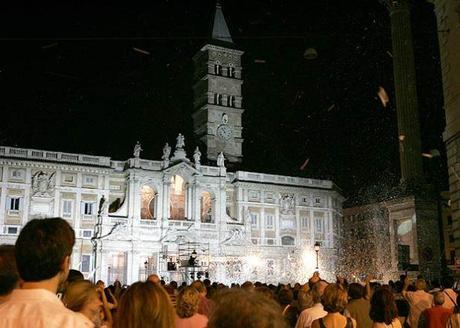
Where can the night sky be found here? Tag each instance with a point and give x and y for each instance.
(70, 81)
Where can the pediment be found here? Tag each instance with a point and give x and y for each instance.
(183, 168)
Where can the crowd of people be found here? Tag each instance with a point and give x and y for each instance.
(37, 289)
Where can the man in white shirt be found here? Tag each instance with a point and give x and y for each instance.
(43, 251)
(309, 315)
(418, 301)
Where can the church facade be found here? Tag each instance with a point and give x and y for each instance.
(175, 216)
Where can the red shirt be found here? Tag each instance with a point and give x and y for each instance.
(436, 317)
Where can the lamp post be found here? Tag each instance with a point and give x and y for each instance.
(316, 247)
(146, 266)
(97, 235)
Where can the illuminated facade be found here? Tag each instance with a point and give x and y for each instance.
(159, 213)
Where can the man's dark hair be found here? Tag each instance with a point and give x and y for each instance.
(9, 277)
(447, 281)
(355, 291)
(285, 296)
(75, 275)
(42, 246)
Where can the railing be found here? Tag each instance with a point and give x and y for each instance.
(210, 170)
(54, 156)
(180, 223)
(148, 222)
(281, 179)
(208, 226)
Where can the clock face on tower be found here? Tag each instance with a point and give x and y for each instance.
(224, 132)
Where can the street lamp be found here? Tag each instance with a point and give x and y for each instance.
(316, 247)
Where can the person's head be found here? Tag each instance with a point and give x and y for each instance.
(420, 284)
(285, 296)
(74, 275)
(438, 298)
(317, 291)
(355, 291)
(154, 278)
(145, 302)
(304, 300)
(187, 302)
(335, 298)
(9, 277)
(117, 284)
(247, 285)
(447, 281)
(199, 286)
(265, 291)
(240, 308)
(83, 296)
(383, 306)
(43, 249)
(100, 284)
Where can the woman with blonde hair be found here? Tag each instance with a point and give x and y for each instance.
(145, 304)
(84, 297)
(242, 308)
(334, 300)
(187, 310)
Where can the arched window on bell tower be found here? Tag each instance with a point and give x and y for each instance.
(231, 71)
(148, 203)
(217, 68)
(217, 99)
(231, 101)
(177, 198)
(206, 210)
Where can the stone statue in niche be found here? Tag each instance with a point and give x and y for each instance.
(221, 160)
(137, 150)
(224, 118)
(287, 204)
(43, 183)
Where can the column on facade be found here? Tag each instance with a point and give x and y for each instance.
(3, 196)
(298, 226)
(103, 271)
(277, 225)
(136, 203)
(262, 225)
(312, 226)
(133, 265)
(57, 203)
(166, 191)
(26, 207)
(190, 215)
(77, 211)
(238, 206)
(196, 204)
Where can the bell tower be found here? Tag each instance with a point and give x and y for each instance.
(217, 94)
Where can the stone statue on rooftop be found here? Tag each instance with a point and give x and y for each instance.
(180, 141)
(137, 150)
(166, 152)
(197, 156)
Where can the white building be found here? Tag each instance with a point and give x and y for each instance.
(157, 214)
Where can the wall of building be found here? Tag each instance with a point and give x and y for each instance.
(448, 19)
(259, 226)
